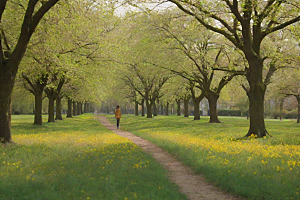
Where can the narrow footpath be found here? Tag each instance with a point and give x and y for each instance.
(190, 184)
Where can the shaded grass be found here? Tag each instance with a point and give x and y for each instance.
(266, 168)
(78, 158)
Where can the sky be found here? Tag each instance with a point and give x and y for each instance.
(151, 6)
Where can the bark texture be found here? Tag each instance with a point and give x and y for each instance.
(51, 109)
(186, 107)
(256, 95)
(69, 112)
(74, 108)
(178, 107)
(167, 109)
(149, 110)
(298, 114)
(136, 109)
(58, 107)
(154, 109)
(143, 108)
(212, 101)
(85, 108)
(38, 109)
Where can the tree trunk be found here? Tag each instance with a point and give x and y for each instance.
(58, 108)
(85, 108)
(196, 109)
(161, 109)
(92, 109)
(38, 107)
(78, 110)
(149, 109)
(51, 110)
(5, 122)
(212, 101)
(196, 102)
(256, 96)
(69, 114)
(186, 107)
(143, 108)
(154, 109)
(136, 109)
(298, 114)
(74, 108)
(281, 108)
(9, 112)
(167, 109)
(6, 86)
(178, 108)
(81, 109)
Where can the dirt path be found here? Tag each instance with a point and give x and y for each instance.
(190, 184)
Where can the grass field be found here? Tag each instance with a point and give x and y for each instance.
(267, 168)
(78, 159)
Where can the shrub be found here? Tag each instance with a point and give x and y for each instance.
(229, 112)
(276, 114)
(192, 112)
(291, 114)
(245, 113)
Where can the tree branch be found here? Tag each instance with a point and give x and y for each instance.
(29, 82)
(212, 28)
(2, 8)
(41, 12)
(279, 27)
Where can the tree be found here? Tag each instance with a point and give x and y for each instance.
(245, 24)
(147, 84)
(134, 60)
(11, 56)
(36, 87)
(53, 91)
(197, 98)
(201, 56)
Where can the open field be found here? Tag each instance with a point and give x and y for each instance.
(267, 168)
(78, 159)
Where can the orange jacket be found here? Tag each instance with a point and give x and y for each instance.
(118, 113)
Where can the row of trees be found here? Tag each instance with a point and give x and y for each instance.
(81, 49)
(53, 54)
(208, 48)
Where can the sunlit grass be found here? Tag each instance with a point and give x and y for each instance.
(78, 159)
(266, 168)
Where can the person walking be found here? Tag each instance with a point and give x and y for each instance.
(118, 115)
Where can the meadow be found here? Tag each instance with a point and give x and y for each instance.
(78, 158)
(265, 168)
